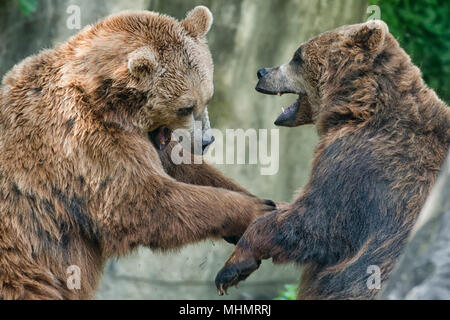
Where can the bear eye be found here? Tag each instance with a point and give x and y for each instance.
(183, 112)
(298, 57)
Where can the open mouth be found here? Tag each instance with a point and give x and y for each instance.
(287, 117)
(160, 137)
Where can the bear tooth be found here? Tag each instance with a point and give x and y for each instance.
(282, 109)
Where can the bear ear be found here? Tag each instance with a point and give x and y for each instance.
(198, 22)
(371, 35)
(142, 62)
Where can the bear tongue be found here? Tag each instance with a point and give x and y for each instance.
(161, 137)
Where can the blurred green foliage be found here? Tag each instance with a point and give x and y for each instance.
(289, 293)
(28, 7)
(423, 30)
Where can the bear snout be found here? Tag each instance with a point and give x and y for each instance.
(207, 142)
(262, 73)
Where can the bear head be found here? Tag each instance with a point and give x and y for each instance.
(323, 66)
(145, 71)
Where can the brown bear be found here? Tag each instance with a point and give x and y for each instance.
(384, 136)
(81, 179)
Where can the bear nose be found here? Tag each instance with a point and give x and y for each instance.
(262, 72)
(206, 143)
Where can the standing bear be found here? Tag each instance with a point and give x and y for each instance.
(383, 138)
(84, 172)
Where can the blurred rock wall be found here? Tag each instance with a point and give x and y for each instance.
(424, 270)
(247, 35)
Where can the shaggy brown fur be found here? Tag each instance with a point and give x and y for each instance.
(80, 181)
(384, 135)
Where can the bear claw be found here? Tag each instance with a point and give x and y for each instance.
(232, 274)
